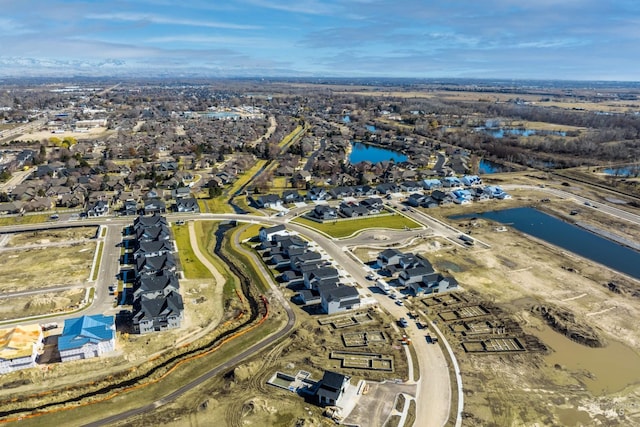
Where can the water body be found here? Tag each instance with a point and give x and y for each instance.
(488, 167)
(371, 128)
(604, 377)
(362, 152)
(502, 132)
(567, 236)
(222, 115)
(626, 172)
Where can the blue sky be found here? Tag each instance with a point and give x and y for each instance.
(546, 39)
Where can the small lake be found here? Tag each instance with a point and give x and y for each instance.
(488, 167)
(362, 152)
(567, 236)
(502, 132)
(606, 377)
(624, 172)
(221, 115)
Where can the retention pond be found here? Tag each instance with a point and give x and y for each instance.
(567, 236)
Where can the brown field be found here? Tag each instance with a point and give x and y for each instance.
(46, 266)
(43, 237)
(470, 96)
(519, 273)
(94, 133)
(41, 304)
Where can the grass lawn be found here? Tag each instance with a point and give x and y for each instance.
(245, 177)
(215, 205)
(250, 231)
(96, 270)
(339, 229)
(191, 265)
(244, 260)
(207, 241)
(287, 139)
(26, 219)
(241, 201)
(279, 183)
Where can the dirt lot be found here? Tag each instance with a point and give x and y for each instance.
(44, 237)
(46, 266)
(48, 303)
(93, 133)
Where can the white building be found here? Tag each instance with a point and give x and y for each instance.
(87, 336)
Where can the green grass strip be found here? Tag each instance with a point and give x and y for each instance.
(346, 228)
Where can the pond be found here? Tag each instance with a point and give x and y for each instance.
(221, 115)
(502, 132)
(567, 236)
(604, 377)
(488, 167)
(362, 152)
(628, 171)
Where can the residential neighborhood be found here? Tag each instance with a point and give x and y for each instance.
(282, 251)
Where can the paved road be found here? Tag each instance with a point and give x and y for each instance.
(16, 179)
(39, 291)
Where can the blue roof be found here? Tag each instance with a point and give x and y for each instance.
(86, 330)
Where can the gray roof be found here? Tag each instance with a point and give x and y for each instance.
(333, 380)
(341, 292)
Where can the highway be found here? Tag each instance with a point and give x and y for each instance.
(21, 130)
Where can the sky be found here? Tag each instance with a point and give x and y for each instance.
(513, 39)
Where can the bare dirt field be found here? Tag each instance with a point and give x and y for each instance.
(41, 304)
(542, 100)
(54, 236)
(94, 133)
(46, 266)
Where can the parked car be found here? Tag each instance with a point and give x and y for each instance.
(399, 302)
(403, 322)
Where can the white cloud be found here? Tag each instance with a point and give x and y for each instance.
(309, 7)
(11, 27)
(166, 20)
